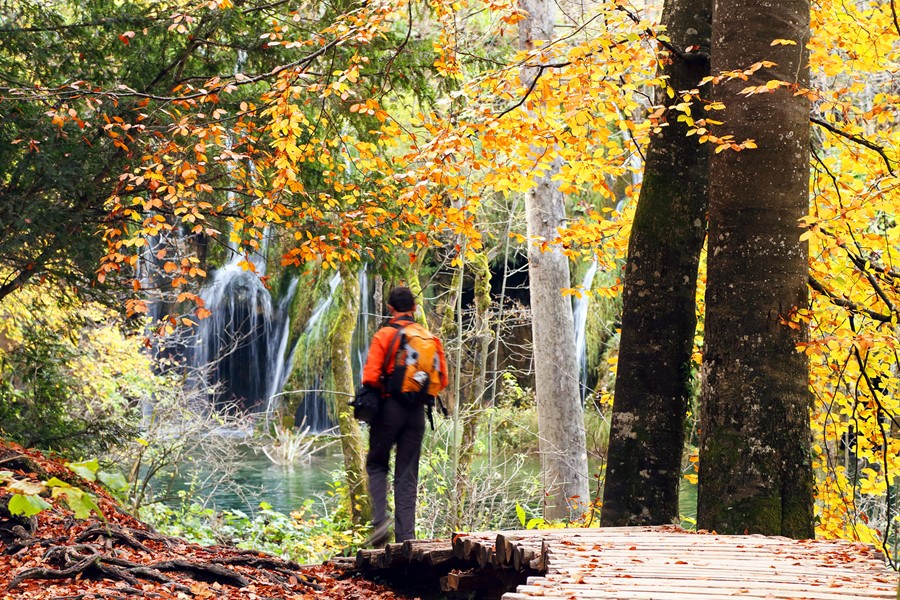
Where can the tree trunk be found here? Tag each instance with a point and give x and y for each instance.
(755, 473)
(342, 371)
(560, 414)
(473, 405)
(653, 377)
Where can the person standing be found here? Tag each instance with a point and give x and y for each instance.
(400, 422)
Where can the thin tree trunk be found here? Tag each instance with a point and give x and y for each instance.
(560, 414)
(659, 309)
(450, 332)
(473, 406)
(755, 472)
(342, 371)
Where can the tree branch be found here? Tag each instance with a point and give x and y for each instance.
(894, 14)
(844, 303)
(857, 139)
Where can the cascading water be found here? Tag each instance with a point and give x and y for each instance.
(361, 336)
(579, 311)
(313, 408)
(240, 348)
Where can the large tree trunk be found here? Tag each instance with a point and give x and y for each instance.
(659, 309)
(755, 473)
(341, 368)
(560, 414)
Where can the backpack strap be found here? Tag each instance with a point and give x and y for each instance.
(394, 345)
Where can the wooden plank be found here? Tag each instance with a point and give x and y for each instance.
(660, 590)
(652, 562)
(636, 561)
(595, 582)
(660, 594)
(706, 573)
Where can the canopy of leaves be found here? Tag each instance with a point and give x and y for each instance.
(355, 131)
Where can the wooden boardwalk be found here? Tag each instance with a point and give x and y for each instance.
(659, 563)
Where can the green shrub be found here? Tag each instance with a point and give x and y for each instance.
(310, 534)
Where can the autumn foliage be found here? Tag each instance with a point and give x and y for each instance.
(315, 136)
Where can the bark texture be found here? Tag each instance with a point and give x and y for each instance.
(659, 308)
(474, 403)
(342, 371)
(560, 414)
(755, 473)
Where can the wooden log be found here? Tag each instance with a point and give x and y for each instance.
(486, 556)
(365, 558)
(380, 561)
(469, 548)
(470, 581)
(439, 557)
(522, 558)
(394, 555)
(342, 562)
(464, 544)
(539, 562)
(417, 551)
(504, 547)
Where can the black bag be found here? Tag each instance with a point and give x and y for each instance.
(367, 404)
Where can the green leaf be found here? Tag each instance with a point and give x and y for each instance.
(27, 505)
(79, 501)
(520, 512)
(113, 481)
(86, 469)
(534, 523)
(82, 504)
(53, 482)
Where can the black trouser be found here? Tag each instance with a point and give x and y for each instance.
(402, 425)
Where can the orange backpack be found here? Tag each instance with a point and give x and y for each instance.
(417, 366)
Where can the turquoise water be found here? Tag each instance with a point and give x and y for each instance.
(258, 480)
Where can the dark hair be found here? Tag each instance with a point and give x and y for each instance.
(401, 299)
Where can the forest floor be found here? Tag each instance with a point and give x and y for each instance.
(54, 556)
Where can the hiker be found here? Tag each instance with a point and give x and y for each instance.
(400, 421)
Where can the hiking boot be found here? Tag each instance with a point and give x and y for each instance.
(379, 536)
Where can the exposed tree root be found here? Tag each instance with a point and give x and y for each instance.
(95, 563)
(112, 531)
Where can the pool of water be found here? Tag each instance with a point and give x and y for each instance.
(259, 480)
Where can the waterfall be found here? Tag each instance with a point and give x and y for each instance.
(361, 338)
(240, 347)
(579, 311)
(280, 366)
(313, 407)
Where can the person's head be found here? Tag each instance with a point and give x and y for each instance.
(401, 300)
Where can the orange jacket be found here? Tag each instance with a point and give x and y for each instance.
(379, 349)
